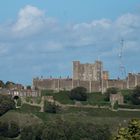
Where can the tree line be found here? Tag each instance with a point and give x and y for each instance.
(6, 103)
(56, 130)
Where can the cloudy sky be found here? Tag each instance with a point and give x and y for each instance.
(43, 37)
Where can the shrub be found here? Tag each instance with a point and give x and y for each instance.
(109, 91)
(50, 107)
(116, 105)
(129, 106)
(2, 85)
(132, 132)
(6, 103)
(19, 102)
(78, 93)
(135, 98)
(62, 130)
(31, 133)
(10, 130)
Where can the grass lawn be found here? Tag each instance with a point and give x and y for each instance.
(21, 118)
(95, 116)
(96, 98)
(28, 115)
(28, 108)
(61, 96)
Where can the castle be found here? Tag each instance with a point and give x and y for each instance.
(88, 72)
(91, 76)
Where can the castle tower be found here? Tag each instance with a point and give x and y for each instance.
(87, 71)
(76, 67)
(98, 70)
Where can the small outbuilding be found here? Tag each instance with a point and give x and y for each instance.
(116, 97)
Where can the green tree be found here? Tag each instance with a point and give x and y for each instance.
(19, 102)
(132, 132)
(78, 93)
(9, 85)
(61, 130)
(116, 105)
(135, 98)
(6, 103)
(32, 133)
(28, 87)
(112, 90)
(3, 128)
(2, 85)
(51, 107)
(9, 130)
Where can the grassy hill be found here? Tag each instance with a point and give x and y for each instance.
(30, 115)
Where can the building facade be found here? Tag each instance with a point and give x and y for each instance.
(90, 76)
(87, 71)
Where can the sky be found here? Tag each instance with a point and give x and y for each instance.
(43, 37)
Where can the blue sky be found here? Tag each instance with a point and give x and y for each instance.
(43, 37)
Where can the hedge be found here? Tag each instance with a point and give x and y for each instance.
(129, 106)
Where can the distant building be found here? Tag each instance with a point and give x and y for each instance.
(87, 71)
(116, 97)
(92, 76)
(105, 75)
(21, 93)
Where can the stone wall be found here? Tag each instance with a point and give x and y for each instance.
(92, 86)
(116, 97)
(87, 71)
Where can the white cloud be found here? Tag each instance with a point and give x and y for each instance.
(35, 40)
(29, 17)
(32, 21)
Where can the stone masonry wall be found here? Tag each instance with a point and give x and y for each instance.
(92, 86)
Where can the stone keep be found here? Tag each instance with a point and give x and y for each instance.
(87, 72)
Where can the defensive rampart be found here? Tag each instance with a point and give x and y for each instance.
(92, 86)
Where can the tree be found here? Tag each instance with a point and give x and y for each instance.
(9, 129)
(135, 98)
(116, 105)
(78, 93)
(112, 90)
(19, 102)
(32, 132)
(6, 103)
(28, 87)
(3, 128)
(50, 107)
(132, 132)
(2, 85)
(62, 130)
(9, 85)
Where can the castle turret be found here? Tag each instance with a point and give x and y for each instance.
(76, 66)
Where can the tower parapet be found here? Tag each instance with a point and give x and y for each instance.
(87, 71)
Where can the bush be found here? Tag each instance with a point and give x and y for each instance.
(62, 130)
(50, 107)
(135, 98)
(132, 132)
(19, 102)
(78, 93)
(2, 85)
(10, 130)
(109, 91)
(6, 103)
(130, 106)
(31, 133)
(115, 106)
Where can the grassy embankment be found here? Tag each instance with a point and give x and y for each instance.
(28, 114)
